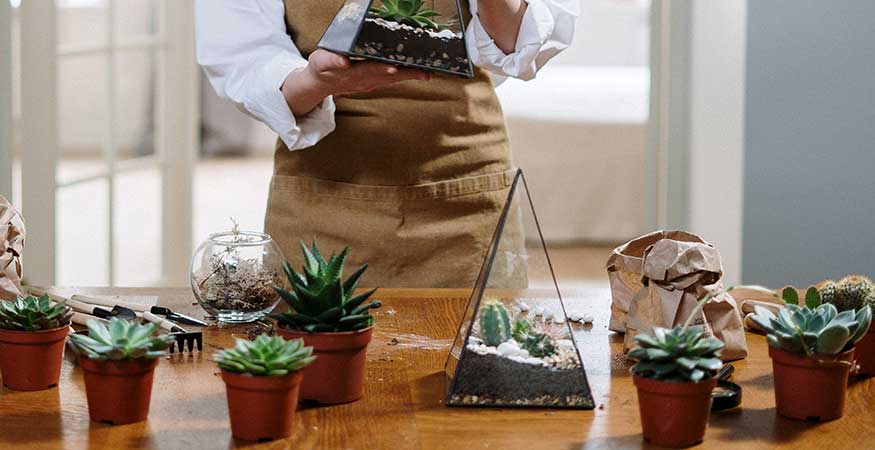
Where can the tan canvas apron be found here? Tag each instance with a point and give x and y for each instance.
(412, 179)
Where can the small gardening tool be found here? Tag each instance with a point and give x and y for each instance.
(183, 338)
(176, 317)
(117, 311)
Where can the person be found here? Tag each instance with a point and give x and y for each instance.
(408, 168)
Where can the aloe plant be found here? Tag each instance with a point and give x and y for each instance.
(810, 331)
(33, 314)
(121, 340)
(320, 300)
(265, 356)
(408, 12)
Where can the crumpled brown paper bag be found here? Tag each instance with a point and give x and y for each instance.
(657, 279)
(11, 245)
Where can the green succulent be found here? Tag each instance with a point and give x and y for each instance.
(265, 356)
(849, 293)
(495, 325)
(320, 300)
(121, 340)
(790, 296)
(810, 331)
(682, 354)
(539, 345)
(408, 12)
(33, 314)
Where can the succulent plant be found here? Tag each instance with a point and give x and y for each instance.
(495, 325)
(682, 354)
(810, 331)
(408, 12)
(539, 345)
(265, 356)
(849, 293)
(790, 296)
(320, 300)
(121, 340)
(33, 314)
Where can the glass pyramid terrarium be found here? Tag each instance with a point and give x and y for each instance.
(422, 34)
(514, 346)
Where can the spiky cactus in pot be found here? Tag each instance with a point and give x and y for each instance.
(320, 300)
(495, 325)
(848, 293)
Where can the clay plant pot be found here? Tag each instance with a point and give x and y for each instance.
(338, 373)
(31, 360)
(118, 392)
(262, 408)
(674, 414)
(810, 389)
(864, 352)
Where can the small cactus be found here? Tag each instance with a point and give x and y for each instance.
(850, 293)
(539, 345)
(495, 325)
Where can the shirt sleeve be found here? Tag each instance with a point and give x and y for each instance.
(547, 29)
(243, 47)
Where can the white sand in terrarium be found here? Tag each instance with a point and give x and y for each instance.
(395, 26)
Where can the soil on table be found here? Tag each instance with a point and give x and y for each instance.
(428, 49)
(493, 380)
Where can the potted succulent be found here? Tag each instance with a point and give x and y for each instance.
(32, 335)
(325, 312)
(853, 292)
(119, 362)
(263, 378)
(812, 347)
(675, 374)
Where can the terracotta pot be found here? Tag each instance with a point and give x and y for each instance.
(809, 389)
(118, 392)
(864, 352)
(31, 360)
(262, 408)
(674, 414)
(338, 374)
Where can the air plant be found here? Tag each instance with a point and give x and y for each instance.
(408, 12)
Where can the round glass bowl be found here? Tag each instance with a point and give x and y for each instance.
(233, 275)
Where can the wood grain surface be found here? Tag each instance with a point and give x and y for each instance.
(402, 407)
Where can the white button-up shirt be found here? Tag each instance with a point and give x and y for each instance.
(247, 55)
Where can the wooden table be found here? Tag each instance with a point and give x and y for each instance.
(403, 409)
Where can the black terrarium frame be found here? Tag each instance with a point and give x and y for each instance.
(419, 41)
(488, 378)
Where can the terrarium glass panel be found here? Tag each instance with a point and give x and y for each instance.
(422, 34)
(514, 346)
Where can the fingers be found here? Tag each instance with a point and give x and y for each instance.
(326, 61)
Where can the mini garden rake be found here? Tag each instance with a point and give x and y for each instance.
(184, 339)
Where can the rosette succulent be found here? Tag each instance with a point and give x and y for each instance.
(265, 356)
(681, 354)
(320, 300)
(33, 314)
(810, 331)
(121, 340)
(409, 12)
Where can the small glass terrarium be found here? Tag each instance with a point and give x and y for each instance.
(233, 275)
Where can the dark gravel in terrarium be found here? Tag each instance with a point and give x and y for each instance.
(442, 50)
(492, 380)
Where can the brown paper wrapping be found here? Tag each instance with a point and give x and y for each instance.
(11, 246)
(657, 280)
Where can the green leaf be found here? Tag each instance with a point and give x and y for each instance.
(832, 339)
(812, 297)
(790, 295)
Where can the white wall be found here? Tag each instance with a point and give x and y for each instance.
(5, 100)
(716, 128)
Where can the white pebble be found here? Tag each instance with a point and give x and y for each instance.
(588, 318)
(538, 311)
(558, 318)
(524, 307)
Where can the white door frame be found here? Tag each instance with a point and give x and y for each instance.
(177, 119)
(6, 155)
(39, 137)
(696, 141)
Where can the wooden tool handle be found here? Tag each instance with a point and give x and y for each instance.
(164, 324)
(82, 319)
(109, 303)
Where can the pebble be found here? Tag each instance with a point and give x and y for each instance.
(581, 317)
(538, 311)
(524, 307)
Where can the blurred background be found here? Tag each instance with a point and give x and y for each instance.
(747, 122)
